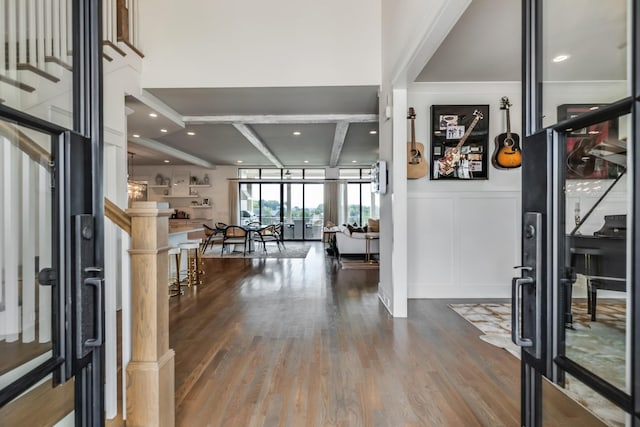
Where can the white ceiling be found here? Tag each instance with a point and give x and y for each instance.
(484, 45)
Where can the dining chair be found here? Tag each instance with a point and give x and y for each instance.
(277, 231)
(234, 235)
(265, 235)
(212, 235)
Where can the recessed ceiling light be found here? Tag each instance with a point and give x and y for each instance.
(354, 161)
(135, 135)
(560, 58)
(306, 161)
(297, 133)
(238, 161)
(153, 115)
(167, 161)
(594, 108)
(373, 132)
(191, 133)
(163, 130)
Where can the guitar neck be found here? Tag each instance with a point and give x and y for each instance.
(468, 132)
(413, 134)
(508, 124)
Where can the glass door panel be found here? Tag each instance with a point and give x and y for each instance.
(249, 203)
(270, 203)
(584, 53)
(36, 71)
(594, 204)
(313, 211)
(294, 222)
(27, 317)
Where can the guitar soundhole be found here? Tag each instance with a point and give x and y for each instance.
(415, 157)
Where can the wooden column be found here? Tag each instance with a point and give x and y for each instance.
(150, 373)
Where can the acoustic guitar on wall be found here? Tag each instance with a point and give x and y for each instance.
(417, 167)
(507, 154)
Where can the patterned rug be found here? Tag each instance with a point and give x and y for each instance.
(585, 343)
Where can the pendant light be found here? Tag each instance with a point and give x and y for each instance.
(136, 190)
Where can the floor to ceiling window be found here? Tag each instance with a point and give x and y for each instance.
(287, 196)
(362, 203)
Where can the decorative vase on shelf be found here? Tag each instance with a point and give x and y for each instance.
(159, 179)
(206, 179)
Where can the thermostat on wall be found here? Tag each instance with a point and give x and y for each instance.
(379, 177)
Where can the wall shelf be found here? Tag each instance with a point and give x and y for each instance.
(181, 197)
(201, 207)
(199, 185)
(158, 186)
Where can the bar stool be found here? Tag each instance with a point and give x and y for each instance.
(193, 263)
(174, 287)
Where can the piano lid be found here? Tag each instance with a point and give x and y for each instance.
(611, 151)
(614, 226)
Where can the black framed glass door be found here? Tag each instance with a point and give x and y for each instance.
(51, 293)
(574, 301)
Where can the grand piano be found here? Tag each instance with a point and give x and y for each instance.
(601, 257)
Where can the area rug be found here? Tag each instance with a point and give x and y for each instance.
(584, 341)
(358, 264)
(291, 250)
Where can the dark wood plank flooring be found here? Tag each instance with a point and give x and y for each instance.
(292, 342)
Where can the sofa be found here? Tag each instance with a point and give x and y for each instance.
(352, 241)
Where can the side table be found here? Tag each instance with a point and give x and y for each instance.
(369, 238)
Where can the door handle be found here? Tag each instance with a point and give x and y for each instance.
(97, 283)
(516, 291)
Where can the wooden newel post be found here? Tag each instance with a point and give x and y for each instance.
(150, 373)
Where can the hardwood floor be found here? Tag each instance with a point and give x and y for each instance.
(292, 342)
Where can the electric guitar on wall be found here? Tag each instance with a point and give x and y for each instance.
(507, 154)
(451, 160)
(417, 167)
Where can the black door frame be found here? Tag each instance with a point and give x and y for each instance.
(77, 165)
(542, 142)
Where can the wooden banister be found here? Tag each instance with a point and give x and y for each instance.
(37, 153)
(117, 216)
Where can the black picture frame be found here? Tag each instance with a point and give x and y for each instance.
(580, 164)
(449, 123)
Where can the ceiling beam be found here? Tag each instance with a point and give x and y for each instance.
(173, 152)
(155, 103)
(255, 140)
(338, 142)
(282, 119)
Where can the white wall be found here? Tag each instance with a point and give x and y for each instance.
(464, 236)
(222, 43)
(411, 32)
(218, 193)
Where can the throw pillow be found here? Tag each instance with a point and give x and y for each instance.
(373, 225)
(353, 229)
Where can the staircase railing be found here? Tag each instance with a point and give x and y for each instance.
(38, 33)
(121, 23)
(117, 216)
